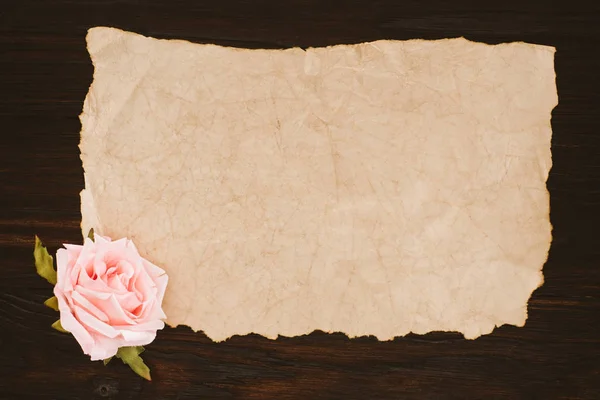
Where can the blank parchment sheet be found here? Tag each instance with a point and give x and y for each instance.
(375, 189)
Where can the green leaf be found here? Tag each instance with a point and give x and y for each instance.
(106, 361)
(130, 351)
(57, 325)
(52, 302)
(44, 262)
(131, 356)
(91, 234)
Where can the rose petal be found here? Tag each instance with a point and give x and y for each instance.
(125, 268)
(153, 270)
(88, 306)
(132, 254)
(128, 301)
(156, 313)
(161, 285)
(110, 252)
(74, 250)
(160, 314)
(98, 285)
(71, 324)
(87, 255)
(115, 251)
(89, 321)
(133, 281)
(74, 274)
(99, 266)
(133, 248)
(143, 312)
(69, 299)
(92, 295)
(144, 285)
(62, 261)
(62, 269)
(109, 304)
(106, 347)
(116, 284)
(124, 282)
(119, 243)
(134, 338)
(115, 312)
(145, 326)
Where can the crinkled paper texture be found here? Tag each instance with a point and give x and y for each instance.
(373, 189)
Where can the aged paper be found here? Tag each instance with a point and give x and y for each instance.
(373, 189)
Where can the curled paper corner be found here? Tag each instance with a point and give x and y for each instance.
(371, 189)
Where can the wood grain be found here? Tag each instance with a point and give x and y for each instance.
(44, 75)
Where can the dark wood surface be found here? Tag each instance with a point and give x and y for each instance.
(44, 75)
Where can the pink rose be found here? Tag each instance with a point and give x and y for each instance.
(108, 295)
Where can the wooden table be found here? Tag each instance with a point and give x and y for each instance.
(44, 75)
